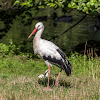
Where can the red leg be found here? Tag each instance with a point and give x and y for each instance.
(57, 80)
(48, 76)
(48, 79)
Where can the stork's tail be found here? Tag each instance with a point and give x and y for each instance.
(66, 64)
(67, 67)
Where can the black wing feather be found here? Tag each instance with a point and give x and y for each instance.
(55, 61)
(67, 65)
(63, 63)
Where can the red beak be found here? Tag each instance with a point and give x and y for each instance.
(33, 32)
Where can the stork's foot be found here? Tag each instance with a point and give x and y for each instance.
(47, 89)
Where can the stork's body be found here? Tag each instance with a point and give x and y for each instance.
(51, 53)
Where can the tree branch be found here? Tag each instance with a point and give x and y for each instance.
(68, 28)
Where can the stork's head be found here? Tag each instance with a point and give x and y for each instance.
(38, 26)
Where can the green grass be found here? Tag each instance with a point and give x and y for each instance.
(18, 79)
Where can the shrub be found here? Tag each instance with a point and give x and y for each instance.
(8, 49)
(4, 49)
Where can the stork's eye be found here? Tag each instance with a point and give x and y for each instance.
(38, 26)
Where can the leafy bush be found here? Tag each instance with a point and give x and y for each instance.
(8, 49)
(87, 6)
(4, 49)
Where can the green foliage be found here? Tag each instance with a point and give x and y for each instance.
(4, 49)
(12, 47)
(87, 6)
(8, 49)
(28, 3)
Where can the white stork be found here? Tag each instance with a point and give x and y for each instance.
(51, 53)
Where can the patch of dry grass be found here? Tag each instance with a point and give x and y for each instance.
(29, 88)
(20, 82)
